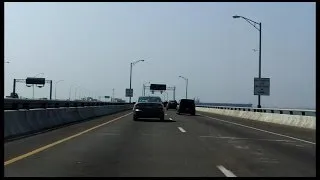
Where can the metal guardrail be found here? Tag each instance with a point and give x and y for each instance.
(301, 112)
(226, 104)
(16, 104)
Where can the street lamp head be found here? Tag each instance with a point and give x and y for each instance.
(135, 62)
(236, 16)
(59, 81)
(39, 74)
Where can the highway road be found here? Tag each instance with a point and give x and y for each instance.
(183, 145)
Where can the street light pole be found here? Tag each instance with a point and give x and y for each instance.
(70, 93)
(174, 93)
(167, 95)
(187, 89)
(259, 97)
(112, 95)
(6, 62)
(130, 80)
(55, 89)
(253, 23)
(142, 90)
(75, 92)
(85, 94)
(186, 79)
(131, 64)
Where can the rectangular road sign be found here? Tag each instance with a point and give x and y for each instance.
(32, 80)
(262, 86)
(129, 92)
(159, 87)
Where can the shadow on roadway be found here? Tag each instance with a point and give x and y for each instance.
(156, 120)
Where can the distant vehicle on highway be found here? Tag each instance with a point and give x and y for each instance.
(148, 107)
(186, 106)
(165, 103)
(172, 104)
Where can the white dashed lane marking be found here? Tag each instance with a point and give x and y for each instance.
(225, 171)
(182, 130)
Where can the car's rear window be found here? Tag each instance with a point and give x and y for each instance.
(149, 99)
(187, 101)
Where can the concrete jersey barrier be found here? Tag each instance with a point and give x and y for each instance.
(23, 122)
(300, 121)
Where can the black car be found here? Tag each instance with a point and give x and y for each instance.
(165, 103)
(187, 106)
(148, 107)
(172, 104)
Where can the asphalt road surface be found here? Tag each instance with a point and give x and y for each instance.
(183, 145)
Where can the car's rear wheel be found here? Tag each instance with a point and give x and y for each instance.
(162, 118)
(135, 118)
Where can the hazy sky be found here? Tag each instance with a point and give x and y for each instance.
(91, 45)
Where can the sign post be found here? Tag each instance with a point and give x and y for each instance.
(262, 86)
(129, 92)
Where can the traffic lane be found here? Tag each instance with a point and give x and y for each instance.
(302, 133)
(158, 152)
(20, 146)
(248, 152)
(137, 148)
(266, 148)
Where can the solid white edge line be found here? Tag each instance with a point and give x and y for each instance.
(235, 138)
(182, 130)
(225, 171)
(260, 130)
